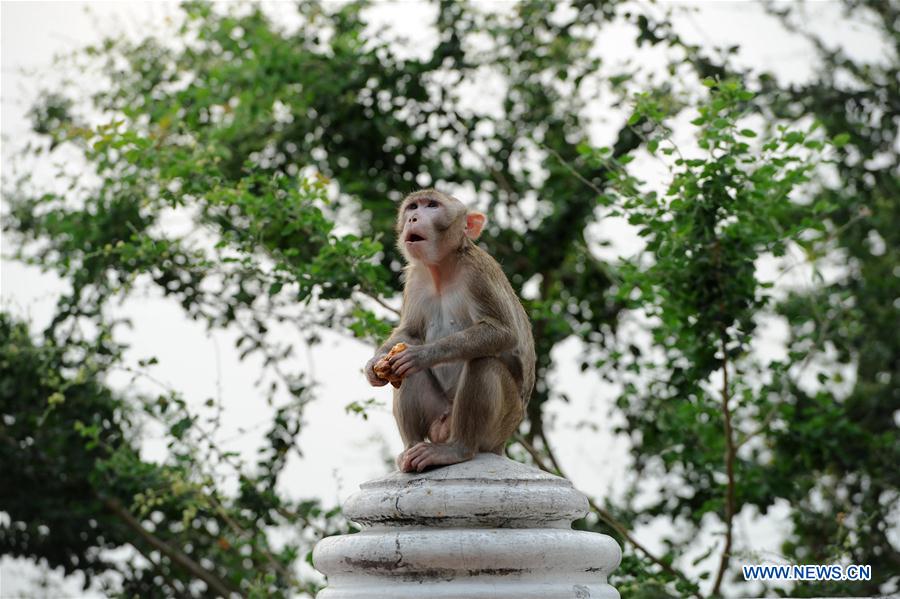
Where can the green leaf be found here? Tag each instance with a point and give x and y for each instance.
(179, 428)
(840, 140)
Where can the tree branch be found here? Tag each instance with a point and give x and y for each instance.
(374, 296)
(572, 170)
(730, 451)
(604, 515)
(249, 536)
(178, 557)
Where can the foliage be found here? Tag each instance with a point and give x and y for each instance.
(843, 434)
(701, 393)
(285, 151)
(76, 483)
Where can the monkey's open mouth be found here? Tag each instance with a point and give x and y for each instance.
(413, 238)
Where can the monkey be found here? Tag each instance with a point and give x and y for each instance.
(468, 368)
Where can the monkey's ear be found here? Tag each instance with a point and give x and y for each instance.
(474, 224)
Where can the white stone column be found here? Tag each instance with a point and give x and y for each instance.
(489, 527)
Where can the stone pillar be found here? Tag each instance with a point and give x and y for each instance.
(489, 527)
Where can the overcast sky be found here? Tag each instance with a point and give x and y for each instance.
(340, 450)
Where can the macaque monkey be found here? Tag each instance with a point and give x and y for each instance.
(467, 371)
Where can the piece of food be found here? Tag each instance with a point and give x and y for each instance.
(383, 366)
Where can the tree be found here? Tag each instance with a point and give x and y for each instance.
(76, 483)
(852, 465)
(701, 398)
(827, 447)
(263, 136)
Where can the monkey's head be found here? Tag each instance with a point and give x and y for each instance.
(431, 225)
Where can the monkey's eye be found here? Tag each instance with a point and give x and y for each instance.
(433, 204)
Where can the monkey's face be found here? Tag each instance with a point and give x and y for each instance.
(430, 225)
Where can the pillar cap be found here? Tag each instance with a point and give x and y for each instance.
(488, 491)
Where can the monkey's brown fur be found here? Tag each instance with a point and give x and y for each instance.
(470, 349)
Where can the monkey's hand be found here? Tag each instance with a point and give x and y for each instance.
(373, 378)
(411, 360)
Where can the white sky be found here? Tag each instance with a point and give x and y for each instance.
(341, 450)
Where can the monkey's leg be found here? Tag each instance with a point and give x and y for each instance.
(418, 403)
(486, 411)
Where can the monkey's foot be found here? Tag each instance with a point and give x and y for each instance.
(401, 459)
(422, 455)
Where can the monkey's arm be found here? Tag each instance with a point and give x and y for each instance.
(492, 332)
(410, 330)
(487, 337)
(400, 335)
